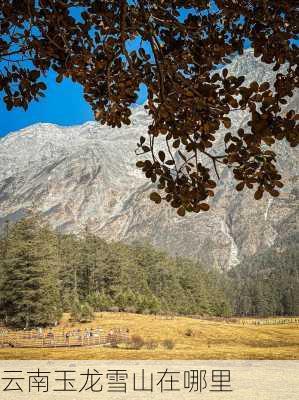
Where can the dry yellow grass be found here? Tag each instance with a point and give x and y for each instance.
(210, 340)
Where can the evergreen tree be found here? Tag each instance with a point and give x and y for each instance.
(100, 301)
(82, 311)
(43, 272)
(267, 284)
(29, 287)
(69, 260)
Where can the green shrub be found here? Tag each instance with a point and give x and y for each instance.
(99, 301)
(82, 312)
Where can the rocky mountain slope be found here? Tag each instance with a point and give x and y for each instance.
(86, 176)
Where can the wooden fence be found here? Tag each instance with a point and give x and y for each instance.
(270, 321)
(27, 339)
(249, 320)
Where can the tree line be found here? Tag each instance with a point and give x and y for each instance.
(45, 273)
(267, 284)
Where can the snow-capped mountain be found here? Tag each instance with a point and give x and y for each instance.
(86, 176)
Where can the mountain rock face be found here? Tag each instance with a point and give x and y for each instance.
(86, 176)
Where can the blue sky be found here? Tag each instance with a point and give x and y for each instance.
(63, 105)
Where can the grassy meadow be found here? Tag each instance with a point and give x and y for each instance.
(193, 339)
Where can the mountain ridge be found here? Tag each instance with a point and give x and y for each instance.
(85, 175)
